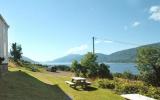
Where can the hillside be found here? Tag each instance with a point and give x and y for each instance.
(125, 56)
(28, 59)
(68, 58)
(25, 59)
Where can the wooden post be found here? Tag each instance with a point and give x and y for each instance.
(93, 46)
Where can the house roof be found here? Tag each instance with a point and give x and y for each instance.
(3, 20)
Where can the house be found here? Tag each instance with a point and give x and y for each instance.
(3, 44)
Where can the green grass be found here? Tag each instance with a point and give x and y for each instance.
(27, 85)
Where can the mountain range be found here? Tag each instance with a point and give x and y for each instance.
(124, 56)
(25, 59)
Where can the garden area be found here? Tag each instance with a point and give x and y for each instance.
(29, 81)
(20, 83)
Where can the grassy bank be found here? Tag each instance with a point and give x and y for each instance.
(28, 85)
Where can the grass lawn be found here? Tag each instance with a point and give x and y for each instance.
(27, 85)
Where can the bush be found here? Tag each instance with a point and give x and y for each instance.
(34, 69)
(125, 86)
(128, 86)
(104, 72)
(53, 69)
(105, 83)
(62, 67)
(126, 75)
(1, 60)
(153, 92)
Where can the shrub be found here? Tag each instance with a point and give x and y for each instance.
(126, 75)
(1, 60)
(153, 92)
(53, 69)
(127, 86)
(104, 72)
(34, 69)
(63, 67)
(105, 83)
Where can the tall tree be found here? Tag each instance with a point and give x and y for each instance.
(16, 51)
(1, 60)
(90, 65)
(76, 67)
(148, 61)
(104, 72)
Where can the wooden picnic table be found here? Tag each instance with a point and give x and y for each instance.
(78, 81)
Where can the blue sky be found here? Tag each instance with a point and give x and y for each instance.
(48, 29)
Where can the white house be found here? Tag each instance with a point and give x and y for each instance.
(4, 42)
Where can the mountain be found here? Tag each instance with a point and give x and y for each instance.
(25, 58)
(28, 59)
(68, 58)
(124, 56)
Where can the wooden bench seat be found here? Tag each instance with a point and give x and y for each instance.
(70, 83)
(88, 83)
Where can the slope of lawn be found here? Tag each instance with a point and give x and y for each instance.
(27, 85)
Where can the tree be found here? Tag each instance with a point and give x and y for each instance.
(16, 51)
(89, 64)
(104, 72)
(148, 61)
(1, 60)
(77, 68)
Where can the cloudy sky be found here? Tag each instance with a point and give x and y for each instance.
(48, 29)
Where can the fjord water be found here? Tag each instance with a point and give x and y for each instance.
(114, 67)
(121, 67)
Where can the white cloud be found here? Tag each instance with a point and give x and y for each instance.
(108, 41)
(136, 23)
(97, 41)
(78, 49)
(103, 41)
(155, 13)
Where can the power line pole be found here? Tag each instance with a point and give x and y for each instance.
(93, 45)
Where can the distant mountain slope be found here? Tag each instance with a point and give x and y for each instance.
(124, 56)
(26, 59)
(68, 58)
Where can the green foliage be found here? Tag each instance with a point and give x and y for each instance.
(104, 72)
(89, 64)
(1, 60)
(34, 69)
(125, 86)
(153, 92)
(89, 60)
(90, 68)
(105, 83)
(148, 61)
(53, 69)
(62, 67)
(129, 87)
(126, 75)
(16, 51)
(76, 68)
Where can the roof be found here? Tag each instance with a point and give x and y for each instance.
(3, 20)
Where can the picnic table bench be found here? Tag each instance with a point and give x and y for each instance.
(78, 81)
(70, 83)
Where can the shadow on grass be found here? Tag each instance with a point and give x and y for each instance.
(21, 86)
(89, 88)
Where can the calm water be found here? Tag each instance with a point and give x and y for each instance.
(114, 67)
